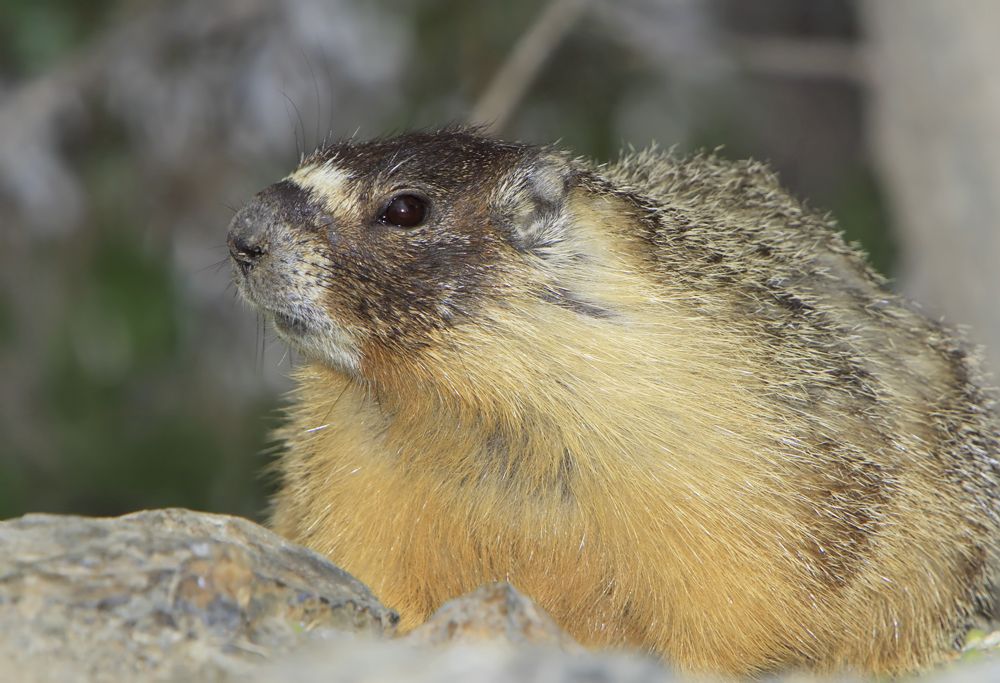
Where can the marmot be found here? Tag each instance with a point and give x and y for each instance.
(661, 397)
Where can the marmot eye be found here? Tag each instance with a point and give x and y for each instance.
(404, 211)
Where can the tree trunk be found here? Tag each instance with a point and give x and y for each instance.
(935, 126)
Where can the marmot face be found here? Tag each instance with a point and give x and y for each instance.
(383, 243)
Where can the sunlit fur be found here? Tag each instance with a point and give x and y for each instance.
(711, 470)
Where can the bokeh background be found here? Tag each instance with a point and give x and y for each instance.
(130, 130)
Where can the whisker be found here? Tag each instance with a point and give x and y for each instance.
(299, 150)
(319, 106)
(216, 265)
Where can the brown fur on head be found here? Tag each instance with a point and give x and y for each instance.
(344, 286)
(661, 397)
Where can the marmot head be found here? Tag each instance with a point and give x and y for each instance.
(386, 245)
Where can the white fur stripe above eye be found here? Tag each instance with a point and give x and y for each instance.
(326, 179)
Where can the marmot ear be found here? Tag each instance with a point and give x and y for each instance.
(535, 193)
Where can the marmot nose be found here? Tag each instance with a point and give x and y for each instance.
(266, 222)
(245, 250)
(246, 240)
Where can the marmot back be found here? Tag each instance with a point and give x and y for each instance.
(660, 397)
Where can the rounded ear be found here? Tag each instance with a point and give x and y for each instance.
(534, 196)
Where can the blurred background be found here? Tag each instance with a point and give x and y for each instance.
(130, 130)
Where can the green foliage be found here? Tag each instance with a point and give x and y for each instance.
(862, 214)
(34, 34)
(461, 47)
(459, 50)
(15, 489)
(132, 417)
(6, 322)
(132, 424)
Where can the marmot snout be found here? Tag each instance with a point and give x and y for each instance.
(660, 397)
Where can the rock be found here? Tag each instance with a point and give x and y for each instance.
(185, 596)
(494, 612)
(164, 594)
(401, 661)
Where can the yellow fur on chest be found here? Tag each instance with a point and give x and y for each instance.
(622, 559)
(604, 560)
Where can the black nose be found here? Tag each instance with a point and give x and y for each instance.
(247, 235)
(266, 222)
(244, 250)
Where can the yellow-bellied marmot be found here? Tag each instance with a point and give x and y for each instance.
(660, 397)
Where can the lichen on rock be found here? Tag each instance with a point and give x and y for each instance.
(165, 593)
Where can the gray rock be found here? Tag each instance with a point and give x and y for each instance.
(494, 612)
(487, 662)
(492, 635)
(164, 594)
(184, 596)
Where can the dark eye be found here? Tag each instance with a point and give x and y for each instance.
(404, 211)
